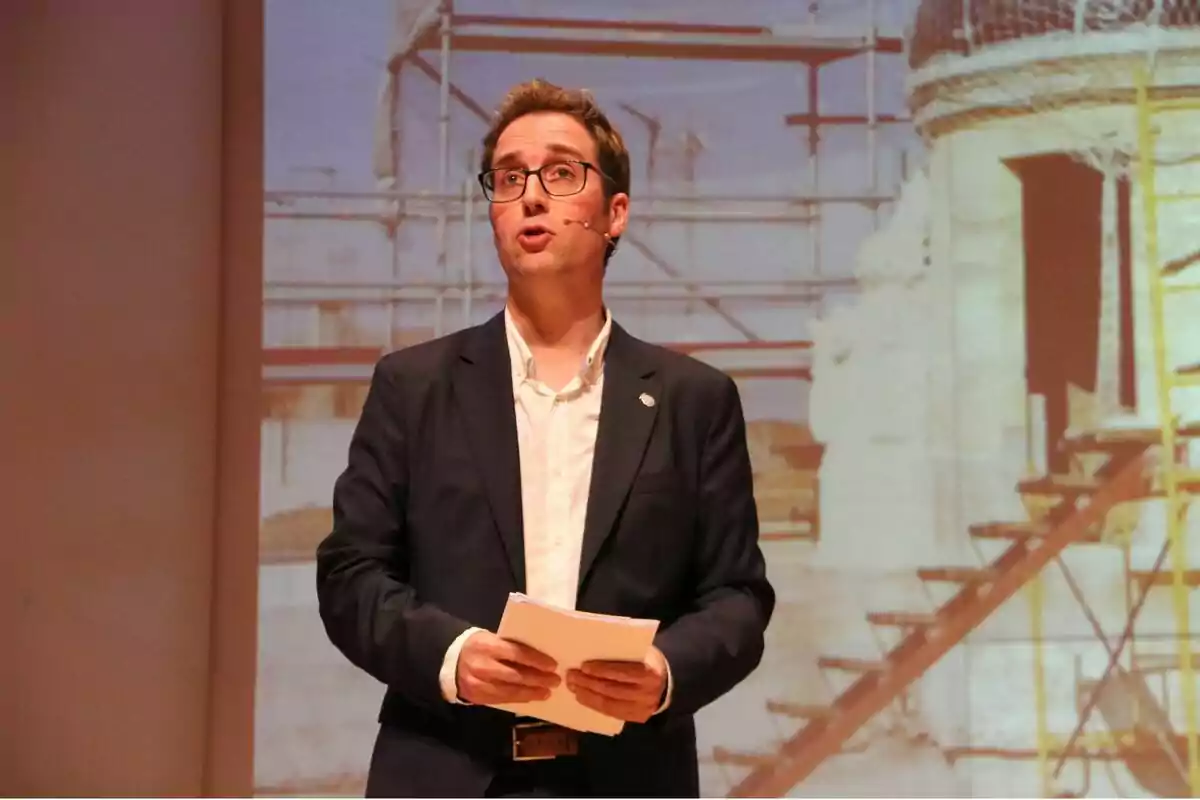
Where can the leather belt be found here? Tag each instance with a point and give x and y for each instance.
(540, 741)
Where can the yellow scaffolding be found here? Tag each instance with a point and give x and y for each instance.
(1051, 748)
(1037, 598)
(1177, 481)
(1174, 475)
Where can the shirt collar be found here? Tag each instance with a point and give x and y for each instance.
(521, 357)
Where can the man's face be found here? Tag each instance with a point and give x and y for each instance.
(532, 233)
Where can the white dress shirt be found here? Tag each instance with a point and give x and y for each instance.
(556, 436)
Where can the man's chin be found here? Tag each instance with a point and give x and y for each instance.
(535, 265)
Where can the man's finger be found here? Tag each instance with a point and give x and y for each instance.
(616, 690)
(484, 692)
(520, 695)
(501, 672)
(624, 671)
(619, 709)
(525, 655)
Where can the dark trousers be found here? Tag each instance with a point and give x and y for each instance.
(560, 777)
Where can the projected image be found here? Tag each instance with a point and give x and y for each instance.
(949, 251)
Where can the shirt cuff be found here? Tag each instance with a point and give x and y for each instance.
(670, 687)
(448, 676)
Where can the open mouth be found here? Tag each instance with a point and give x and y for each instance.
(534, 237)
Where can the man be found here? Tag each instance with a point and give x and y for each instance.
(549, 452)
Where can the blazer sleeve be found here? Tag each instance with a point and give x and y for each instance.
(720, 641)
(370, 612)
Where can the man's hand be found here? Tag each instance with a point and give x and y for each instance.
(492, 670)
(627, 690)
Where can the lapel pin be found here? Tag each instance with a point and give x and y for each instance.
(647, 400)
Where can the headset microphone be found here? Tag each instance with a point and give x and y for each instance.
(586, 226)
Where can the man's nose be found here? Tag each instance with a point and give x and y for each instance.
(534, 198)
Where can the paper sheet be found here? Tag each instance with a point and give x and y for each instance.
(571, 638)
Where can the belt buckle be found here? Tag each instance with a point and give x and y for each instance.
(518, 730)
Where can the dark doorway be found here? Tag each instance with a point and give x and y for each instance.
(1061, 216)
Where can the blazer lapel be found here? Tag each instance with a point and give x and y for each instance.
(483, 388)
(628, 408)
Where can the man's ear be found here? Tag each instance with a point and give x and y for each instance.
(618, 214)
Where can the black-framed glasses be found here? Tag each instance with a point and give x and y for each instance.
(558, 179)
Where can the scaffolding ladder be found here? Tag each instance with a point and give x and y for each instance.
(1177, 477)
(926, 637)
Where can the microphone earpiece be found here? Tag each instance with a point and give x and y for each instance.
(586, 226)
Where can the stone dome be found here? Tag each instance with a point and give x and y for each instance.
(959, 27)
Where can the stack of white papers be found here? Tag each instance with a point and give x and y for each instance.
(571, 638)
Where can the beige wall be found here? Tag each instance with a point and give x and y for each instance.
(130, 298)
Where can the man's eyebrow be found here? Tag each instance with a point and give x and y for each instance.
(512, 159)
(507, 160)
(565, 150)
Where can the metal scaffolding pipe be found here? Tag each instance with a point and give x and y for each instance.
(364, 355)
(468, 267)
(767, 292)
(297, 377)
(443, 158)
(872, 112)
(704, 347)
(801, 44)
(288, 196)
(301, 366)
(764, 297)
(733, 285)
(394, 217)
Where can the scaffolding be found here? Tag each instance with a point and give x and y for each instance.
(1164, 761)
(352, 366)
(1136, 727)
(1179, 481)
(1139, 465)
(926, 636)
(434, 26)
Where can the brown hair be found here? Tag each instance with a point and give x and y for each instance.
(538, 96)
